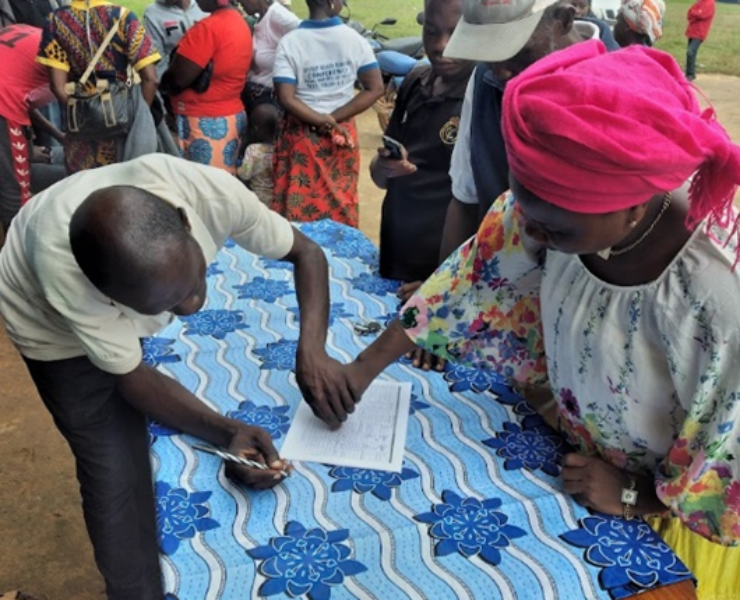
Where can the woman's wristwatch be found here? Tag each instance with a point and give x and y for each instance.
(629, 499)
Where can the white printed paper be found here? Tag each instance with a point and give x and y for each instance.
(372, 437)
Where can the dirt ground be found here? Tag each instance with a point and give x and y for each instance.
(44, 545)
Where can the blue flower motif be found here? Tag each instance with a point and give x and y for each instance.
(465, 379)
(280, 265)
(157, 351)
(342, 241)
(200, 151)
(229, 153)
(631, 555)
(274, 419)
(241, 122)
(416, 404)
(374, 285)
(470, 527)
(336, 311)
(530, 418)
(260, 288)
(183, 127)
(380, 483)
(213, 269)
(278, 355)
(215, 323)
(215, 128)
(180, 515)
(157, 430)
(229, 243)
(532, 449)
(305, 562)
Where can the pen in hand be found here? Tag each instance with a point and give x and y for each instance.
(236, 459)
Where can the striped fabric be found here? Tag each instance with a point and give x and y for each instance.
(476, 513)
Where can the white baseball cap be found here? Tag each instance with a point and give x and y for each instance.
(495, 30)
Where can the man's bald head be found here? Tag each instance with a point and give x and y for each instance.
(124, 238)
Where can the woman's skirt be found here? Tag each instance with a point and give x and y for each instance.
(716, 568)
(314, 177)
(81, 155)
(211, 141)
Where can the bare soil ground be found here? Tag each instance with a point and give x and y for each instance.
(44, 545)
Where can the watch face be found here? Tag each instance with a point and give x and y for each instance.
(629, 497)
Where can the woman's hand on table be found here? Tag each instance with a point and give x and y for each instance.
(597, 484)
(328, 388)
(254, 443)
(594, 483)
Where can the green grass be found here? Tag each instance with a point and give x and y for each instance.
(719, 54)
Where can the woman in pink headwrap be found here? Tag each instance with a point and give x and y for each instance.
(610, 272)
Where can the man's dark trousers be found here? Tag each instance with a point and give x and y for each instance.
(110, 442)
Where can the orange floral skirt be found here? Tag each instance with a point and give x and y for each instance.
(314, 177)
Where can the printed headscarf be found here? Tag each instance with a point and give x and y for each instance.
(644, 17)
(596, 132)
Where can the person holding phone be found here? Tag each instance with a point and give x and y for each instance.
(413, 164)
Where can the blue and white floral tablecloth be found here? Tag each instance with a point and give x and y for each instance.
(477, 512)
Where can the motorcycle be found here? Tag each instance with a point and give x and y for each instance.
(409, 46)
(396, 58)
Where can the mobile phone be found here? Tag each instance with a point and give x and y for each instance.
(394, 147)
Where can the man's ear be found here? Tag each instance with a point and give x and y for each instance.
(563, 19)
(184, 218)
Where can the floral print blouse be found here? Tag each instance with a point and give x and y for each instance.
(646, 377)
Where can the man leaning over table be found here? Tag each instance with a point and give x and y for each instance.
(104, 258)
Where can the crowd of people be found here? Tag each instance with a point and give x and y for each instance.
(559, 210)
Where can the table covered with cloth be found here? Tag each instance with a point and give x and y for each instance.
(476, 513)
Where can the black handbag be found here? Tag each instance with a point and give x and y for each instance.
(101, 111)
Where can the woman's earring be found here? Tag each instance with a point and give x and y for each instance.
(633, 223)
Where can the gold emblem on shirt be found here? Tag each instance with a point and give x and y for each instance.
(448, 133)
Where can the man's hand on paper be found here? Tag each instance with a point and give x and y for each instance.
(327, 388)
(255, 444)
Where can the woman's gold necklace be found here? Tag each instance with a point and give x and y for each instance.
(607, 253)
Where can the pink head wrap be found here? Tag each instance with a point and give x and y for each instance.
(596, 132)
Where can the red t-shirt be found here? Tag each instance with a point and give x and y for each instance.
(224, 37)
(24, 81)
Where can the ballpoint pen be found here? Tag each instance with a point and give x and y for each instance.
(236, 459)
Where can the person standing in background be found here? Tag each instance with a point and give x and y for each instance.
(273, 22)
(205, 80)
(25, 85)
(166, 22)
(256, 168)
(71, 37)
(700, 17)
(317, 159)
(425, 121)
(639, 22)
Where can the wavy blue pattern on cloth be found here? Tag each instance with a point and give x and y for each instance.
(479, 486)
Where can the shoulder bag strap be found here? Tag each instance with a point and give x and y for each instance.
(103, 46)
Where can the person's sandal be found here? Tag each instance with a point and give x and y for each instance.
(18, 595)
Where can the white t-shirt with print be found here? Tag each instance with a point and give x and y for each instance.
(323, 59)
(53, 312)
(269, 30)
